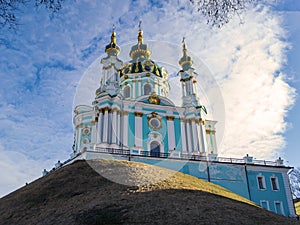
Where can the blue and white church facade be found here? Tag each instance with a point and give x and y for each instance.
(133, 118)
(132, 110)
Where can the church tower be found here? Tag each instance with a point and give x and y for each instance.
(188, 79)
(110, 82)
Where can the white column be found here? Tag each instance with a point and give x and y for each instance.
(208, 140)
(94, 133)
(125, 129)
(189, 137)
(138, 129)
(171, 132)
(118, 128)
(182, 88)
(183, 135)
(214, 142)
(100, 127)
(133, 89)
(109, 135)
(139, 87)
(195, 136)
(114, 127)
(156, 86)
(195, 87)
(105, 125)
(200, 136)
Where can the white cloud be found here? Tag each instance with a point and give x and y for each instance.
(17, 170)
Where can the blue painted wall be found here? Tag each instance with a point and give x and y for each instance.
(177, 129)
(230, 176)
(131, 131)
(268, 193)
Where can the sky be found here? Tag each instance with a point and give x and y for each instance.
(45, 62)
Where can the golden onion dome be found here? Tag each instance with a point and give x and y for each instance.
(112, 48)
(140, 51)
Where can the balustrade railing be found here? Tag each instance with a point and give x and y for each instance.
(183, 156)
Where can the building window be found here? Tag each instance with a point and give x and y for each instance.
(279, 207)
(261, 182)
(264, 204)
(274, 183)
(126, 91)
(147, 89)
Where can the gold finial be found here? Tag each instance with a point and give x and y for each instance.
(113, 38)
(140, 33)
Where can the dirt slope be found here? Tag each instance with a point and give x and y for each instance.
(78, 195)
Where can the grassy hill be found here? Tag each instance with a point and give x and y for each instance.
(78, 195)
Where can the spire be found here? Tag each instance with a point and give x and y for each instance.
(186, 61)
(112, 48)
(140, 50)
(140, 33)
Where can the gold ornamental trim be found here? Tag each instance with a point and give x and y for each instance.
(171, 118)
(138, 114)
(210, 131)
(115, 110)
(106, 108)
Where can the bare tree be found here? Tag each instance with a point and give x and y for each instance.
(295, 182)
(8, 9)
(219, 12)
(216, 12)
(7, 12)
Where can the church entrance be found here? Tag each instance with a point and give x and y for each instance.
(154, 149)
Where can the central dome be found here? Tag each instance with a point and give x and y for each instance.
(139, 66)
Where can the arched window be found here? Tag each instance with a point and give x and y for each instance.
(126, 91)
(155, 149)
(147, 89)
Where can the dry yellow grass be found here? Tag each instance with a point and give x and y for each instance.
(297, 206)
(147, 178)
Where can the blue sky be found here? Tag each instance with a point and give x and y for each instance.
(42, 62)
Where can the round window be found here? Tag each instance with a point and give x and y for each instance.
(155, 123)
(86, 131)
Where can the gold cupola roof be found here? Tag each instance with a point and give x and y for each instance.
(112, 48)
(140, 51)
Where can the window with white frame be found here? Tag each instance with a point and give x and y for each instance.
(265, 204)
(126, 91)
(274, 183)
(261, 182)
(278, 207)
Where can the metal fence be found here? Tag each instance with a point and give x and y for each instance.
(183, 156)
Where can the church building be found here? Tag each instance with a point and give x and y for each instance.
(132, 110)
(132, 118)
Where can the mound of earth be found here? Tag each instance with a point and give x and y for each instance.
(76, 194)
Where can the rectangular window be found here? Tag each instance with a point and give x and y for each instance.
(264, 204)
(274, 183)
(261, 183)
(279, 207)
